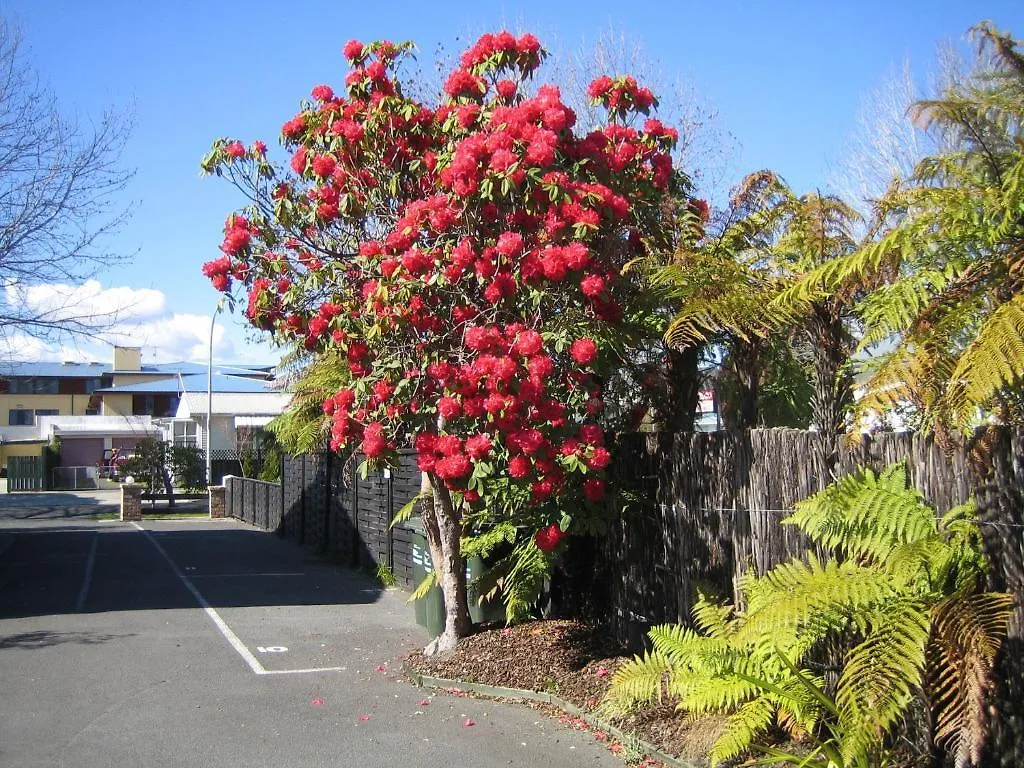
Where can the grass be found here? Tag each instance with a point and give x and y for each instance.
(188, 514)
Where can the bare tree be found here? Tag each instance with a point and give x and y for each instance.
(706, 151)
(59, 188)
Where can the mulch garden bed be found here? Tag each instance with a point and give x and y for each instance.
(574, 661)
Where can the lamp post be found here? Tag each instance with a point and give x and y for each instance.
(209, 397)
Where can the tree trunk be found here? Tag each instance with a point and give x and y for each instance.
(746, 365)
(683, 389)
(443, 524)
(831, 392)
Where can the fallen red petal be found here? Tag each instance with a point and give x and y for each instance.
(469, 723)
(425, 702)
(317, 702)
(364, 718)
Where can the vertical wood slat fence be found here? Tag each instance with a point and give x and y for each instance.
(321, 505)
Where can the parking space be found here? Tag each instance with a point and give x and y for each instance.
(207, 643)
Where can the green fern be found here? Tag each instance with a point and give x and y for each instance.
(899, 591)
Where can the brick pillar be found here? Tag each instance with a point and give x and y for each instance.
(131, 502)
(218, 506)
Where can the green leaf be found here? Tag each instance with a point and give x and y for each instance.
(407, 509)
(423, 588)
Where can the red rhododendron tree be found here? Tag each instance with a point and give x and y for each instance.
(466, 259)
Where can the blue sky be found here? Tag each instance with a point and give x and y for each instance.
(786, 78)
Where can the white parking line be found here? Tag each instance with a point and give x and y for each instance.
(87, 579)
(225, 630)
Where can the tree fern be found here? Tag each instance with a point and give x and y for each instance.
(952, 260)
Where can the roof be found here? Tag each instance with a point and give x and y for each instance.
(195, 382)
(9, 368)
(79, 426)
(100, 426)
(19, 368)
(236, 404)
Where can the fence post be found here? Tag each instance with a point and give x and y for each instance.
(131, 502)
(217, 507)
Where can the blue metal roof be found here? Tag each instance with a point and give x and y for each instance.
(195, 382)
(14, 368)
(17, 368)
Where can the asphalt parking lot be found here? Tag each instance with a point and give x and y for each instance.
(209, 643)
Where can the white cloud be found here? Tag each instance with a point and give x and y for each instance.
(90, 299)
(136, 317)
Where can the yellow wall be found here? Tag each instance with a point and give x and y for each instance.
(19, 449)
(127, 358)
(68, 405)
(116, 405)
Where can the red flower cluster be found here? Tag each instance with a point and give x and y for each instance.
(548, 538)
(504, 49)
(621, 94)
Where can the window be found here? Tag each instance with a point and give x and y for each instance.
(184, 433)
(91, 385)
(47, 412)
(40, 386)
(21, 417)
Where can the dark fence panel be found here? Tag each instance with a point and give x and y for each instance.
(323, 506)
(254, 502)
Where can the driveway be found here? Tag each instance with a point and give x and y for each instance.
(209, 643)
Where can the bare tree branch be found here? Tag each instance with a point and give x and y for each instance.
(59, 188)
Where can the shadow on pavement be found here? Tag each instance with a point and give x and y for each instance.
(98, 568)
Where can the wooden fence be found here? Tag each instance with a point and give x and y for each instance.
(321, 505)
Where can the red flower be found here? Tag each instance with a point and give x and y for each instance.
(519, 467)
(506, 89)
(548, 538)
(324, 165)
(294, 127)
(599, 459)
(592, 434)
(528, 343)
(600, 87)
(453, 467)
(583, 351)
(592, 285)
(478, 446)
(449, 407)
(374, 443)
(353, 50)
(323, 93)
(235, 149)
(594, 488)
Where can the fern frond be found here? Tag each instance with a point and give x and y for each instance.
(742, 728)
(423, 588)
(530, 568)
(994, 359)
(880, 674)
(639, 681)
(483, 544)
(713, 619)
(407, 509)
(966, 634)
(812, 596)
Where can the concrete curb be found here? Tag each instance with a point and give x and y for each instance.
(520, 694)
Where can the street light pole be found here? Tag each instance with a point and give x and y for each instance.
(209, 397)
